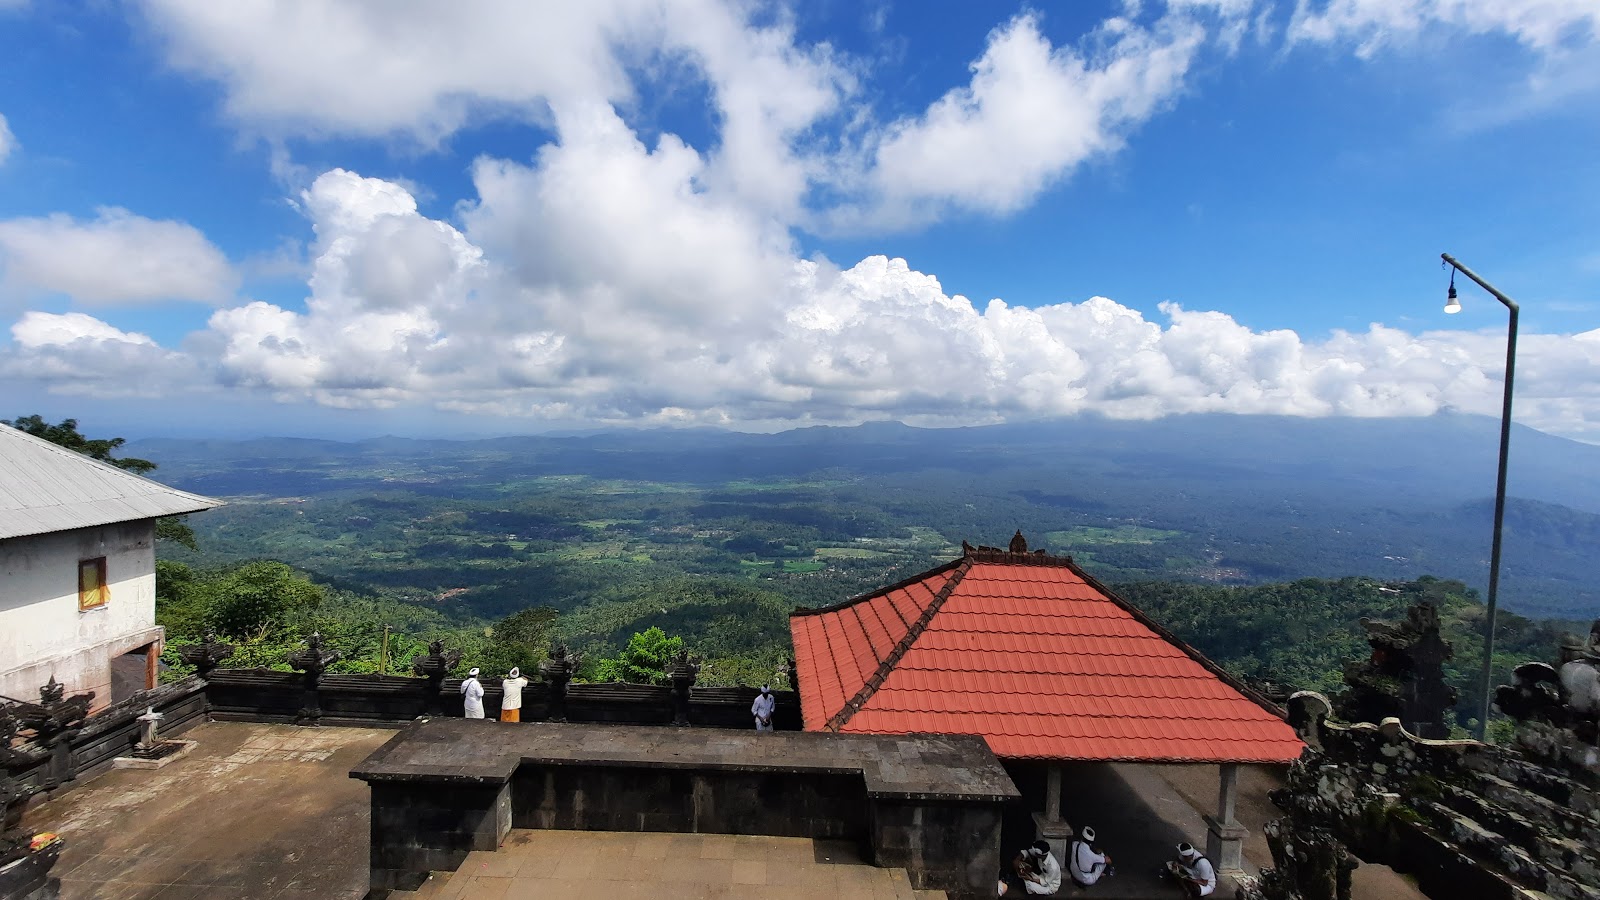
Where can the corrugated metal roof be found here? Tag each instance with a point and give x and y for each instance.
(45, 488)
(1033, 655)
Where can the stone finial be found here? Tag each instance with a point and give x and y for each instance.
(1534, 695)
(437, 662)
(683, 667)
(434, 666)
(206, 655)
(1404, 677)
(1019, 544)
(557, 671)
(313, 660)
(561, 663)
(51, 692)
(1307, 710)
(54, 721)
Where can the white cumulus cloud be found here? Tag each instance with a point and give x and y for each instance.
(117, 258)
(1546, 26)
(511, 315)
(1031, 114)
(615, 277)
(75, 353)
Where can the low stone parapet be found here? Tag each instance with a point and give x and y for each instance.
(930, 804)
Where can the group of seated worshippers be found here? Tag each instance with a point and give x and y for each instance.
(1036, 872)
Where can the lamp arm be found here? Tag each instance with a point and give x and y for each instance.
(1510, 303)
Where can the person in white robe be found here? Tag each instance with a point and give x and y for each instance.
(511, 696)
(763, 707)
(472, 695)
(1085, 862)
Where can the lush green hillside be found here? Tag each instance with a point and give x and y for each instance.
(1241, 534)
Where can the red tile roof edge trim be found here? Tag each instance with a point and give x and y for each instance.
(898, 585)
(1006, 557)
(1138, 614)
(854, 704)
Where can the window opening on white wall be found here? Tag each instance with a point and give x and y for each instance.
(93, 592)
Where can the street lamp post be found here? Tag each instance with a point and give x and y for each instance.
(1453, 305)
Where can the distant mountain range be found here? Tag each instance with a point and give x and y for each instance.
(1255, 498)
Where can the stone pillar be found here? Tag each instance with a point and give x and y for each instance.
(1048, 826)
(55, 721)
(1224, 834)
(683, 671)
(313, 661)
(149, 724)
(557, 671)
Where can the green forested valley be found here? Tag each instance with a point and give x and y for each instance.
(502, 546)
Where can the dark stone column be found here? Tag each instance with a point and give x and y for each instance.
(434, 667)
(312, 660)
(683, 672)
(557, 672)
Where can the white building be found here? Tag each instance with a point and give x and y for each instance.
(78, 571)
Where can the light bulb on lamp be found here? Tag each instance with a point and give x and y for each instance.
(1451, 304)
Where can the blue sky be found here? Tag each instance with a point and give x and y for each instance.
(504, 217)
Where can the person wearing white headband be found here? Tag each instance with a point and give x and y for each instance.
(762, 709)
(511, 696)
(1193, 871)
(1084, 859)
(472, 695)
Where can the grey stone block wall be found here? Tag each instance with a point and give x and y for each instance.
(418, 828)
(615, 798)
(953, 847)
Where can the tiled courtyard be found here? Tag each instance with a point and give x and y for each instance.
(256, 812)
(575, 865)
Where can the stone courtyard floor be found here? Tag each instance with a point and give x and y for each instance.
(255, 812)
(261, 812)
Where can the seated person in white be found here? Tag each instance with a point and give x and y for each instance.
(1045, 877)
(1084, 859)
(1193, 871)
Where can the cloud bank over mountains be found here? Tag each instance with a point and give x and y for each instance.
(614, 278)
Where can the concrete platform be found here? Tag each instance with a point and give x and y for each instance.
(255, 812)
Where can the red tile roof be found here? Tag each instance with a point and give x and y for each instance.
(1031, 653)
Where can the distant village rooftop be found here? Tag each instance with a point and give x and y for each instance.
(47, 488)
(1030, 652)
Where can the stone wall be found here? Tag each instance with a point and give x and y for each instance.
(1465, 819)
(619, 798)
(263, 695)
(930, 804)
(87, 749)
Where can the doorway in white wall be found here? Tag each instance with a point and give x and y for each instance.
(131, 672)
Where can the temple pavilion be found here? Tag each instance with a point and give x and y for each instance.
(1045, 663)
